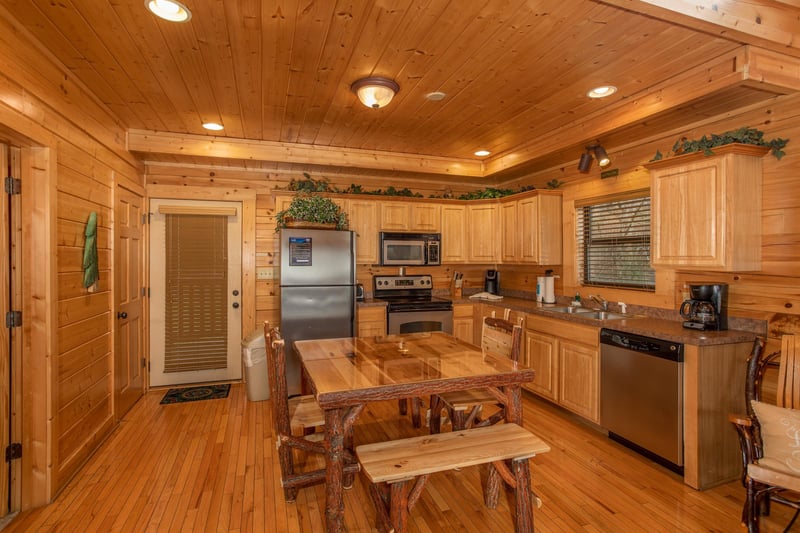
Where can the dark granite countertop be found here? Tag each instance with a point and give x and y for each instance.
(640, 323)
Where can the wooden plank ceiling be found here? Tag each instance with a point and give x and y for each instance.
(277, 74)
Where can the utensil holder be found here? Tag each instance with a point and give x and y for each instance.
(455, 288)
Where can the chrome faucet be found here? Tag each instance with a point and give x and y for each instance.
(600, 300)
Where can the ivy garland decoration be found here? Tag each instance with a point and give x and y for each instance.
(706, 144)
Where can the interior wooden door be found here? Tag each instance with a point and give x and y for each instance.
(128, 282)
(10, 337)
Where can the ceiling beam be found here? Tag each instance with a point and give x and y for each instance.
(771, 24)
(203, 146)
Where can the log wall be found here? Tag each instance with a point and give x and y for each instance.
(73, 155)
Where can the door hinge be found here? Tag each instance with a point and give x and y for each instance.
(144, 362)
(13, 451)
(13, 319)
(13, 185)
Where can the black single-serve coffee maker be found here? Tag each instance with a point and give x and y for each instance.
(708, 308)
(491, 283)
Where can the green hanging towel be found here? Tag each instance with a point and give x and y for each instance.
(90, 271)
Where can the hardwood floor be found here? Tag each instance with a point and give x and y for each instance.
(211, 466)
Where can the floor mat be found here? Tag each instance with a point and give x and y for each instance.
(193, 394)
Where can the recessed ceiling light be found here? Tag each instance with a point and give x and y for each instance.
(482, 153)
(602, 91)
(169, 10)
(435, 96)
(213, 126)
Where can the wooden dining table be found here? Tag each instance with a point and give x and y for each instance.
(346, 373)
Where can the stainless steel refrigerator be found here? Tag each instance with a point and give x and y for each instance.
(317, 290)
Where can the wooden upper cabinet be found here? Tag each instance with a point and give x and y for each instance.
(411, 216)
(706, 210)
(454, 234)
(511, 233)
(532, 229)
(363, 215)
(483, 245)
(426, 217)
(395, 216)
(540, 227)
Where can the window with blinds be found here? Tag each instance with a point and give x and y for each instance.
(196, 299)
(613, 244)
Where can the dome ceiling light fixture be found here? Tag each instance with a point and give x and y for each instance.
(375, 92)
(213, 126)
(169, 10)
(482, 153)
(602, 91)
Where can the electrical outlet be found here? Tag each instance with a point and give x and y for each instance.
(263, 273)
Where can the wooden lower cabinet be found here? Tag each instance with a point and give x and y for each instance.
(541, 353)
(463, 322)
(579, 378)
(371, 321)
(566, 358)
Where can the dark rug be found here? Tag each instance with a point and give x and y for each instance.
(193, 394)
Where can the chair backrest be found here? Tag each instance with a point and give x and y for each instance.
(788, 387)
(501, 337)
(276, 370)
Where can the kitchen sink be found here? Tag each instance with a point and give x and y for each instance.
(605, 315)
(570, 310)
(590, 313)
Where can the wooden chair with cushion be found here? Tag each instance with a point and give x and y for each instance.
(499, 337)
(769, 433)
(292, 418)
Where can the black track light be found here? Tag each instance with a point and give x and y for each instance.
(585, 163)
(598, 152)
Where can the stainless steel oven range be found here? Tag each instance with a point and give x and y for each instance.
(411, 306)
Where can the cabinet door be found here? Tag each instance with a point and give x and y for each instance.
(363, 215)
(706, 211)
(688, 215)
(371, 321)
(540, 226)
(541, 354)
(578, 386)
(511, 231)
(395, 216)
(463, 322)
(483, 238)
(426, 217)
(454, 234)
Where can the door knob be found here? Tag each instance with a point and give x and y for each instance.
(122, 314)
(236, 305)
(235, 292)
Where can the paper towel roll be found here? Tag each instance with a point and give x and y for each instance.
(540, 289)
(549, 290)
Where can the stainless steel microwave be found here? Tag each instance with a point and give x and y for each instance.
(407, 249)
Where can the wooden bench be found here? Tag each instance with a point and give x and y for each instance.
(392, 466)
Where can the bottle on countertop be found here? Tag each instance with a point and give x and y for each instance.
(577, 301)
(540, 289)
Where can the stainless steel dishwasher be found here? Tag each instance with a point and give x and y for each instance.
(641, 395)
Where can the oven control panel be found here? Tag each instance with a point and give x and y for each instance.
(388, 283)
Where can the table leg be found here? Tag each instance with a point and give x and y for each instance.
(334, 470)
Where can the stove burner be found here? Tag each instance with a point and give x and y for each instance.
(409, 293)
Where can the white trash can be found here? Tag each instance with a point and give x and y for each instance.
(254, 357)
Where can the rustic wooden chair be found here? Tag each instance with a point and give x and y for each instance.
(291, 418)
(769, 432)
(499, 337)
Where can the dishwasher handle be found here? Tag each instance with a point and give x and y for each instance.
(639, 343)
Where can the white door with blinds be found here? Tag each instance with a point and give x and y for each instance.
(195, 291)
